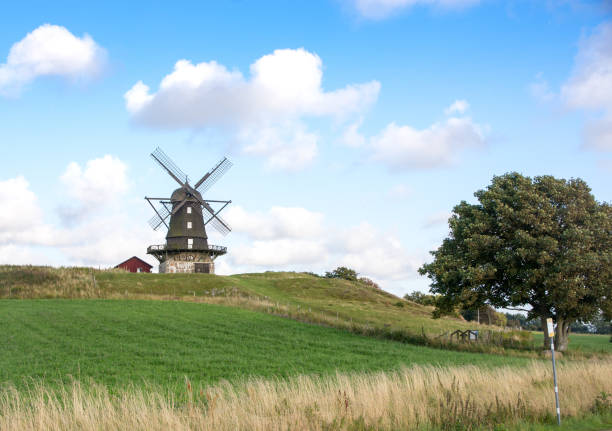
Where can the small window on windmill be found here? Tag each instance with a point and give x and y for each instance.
(188, 225)
(189, 242)
(188, 210)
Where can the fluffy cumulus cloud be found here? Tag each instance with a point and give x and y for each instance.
(101, 181)
(279, 253)
(277, 222)
(405, 147)
(21, 222)
(378, 9)
(284, 84)
(289, 147)
(267, 107)
(101, 237)
(377, 254)
(298, 239)
(50, 50)
(590, 86)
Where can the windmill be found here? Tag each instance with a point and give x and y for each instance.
(187, 248)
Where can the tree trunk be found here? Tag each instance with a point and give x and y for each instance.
(561, 335)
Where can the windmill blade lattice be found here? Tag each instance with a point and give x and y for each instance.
(208, 180)
(218, 223)
(166, 162)
(158, 219)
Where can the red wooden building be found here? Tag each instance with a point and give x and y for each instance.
(135, 264)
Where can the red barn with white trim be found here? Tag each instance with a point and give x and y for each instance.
(135, 264)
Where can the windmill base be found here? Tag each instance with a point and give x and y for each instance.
(188, 263)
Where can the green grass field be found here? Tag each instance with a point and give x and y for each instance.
(118, 342)
(335, 298)
(590, 343)
(150, 332)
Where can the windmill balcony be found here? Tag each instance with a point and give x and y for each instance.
(215, 249)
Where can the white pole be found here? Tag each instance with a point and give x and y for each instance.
(551, 335)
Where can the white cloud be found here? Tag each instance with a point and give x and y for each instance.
(107, 239)
(101, 181)
(296, 238)
(11, 254)
(105, 234)
(277, 222)
(591, 83)
(21, 221)
(264, 113)
(590, 86)
(50, 50)
(279, 252)
(404, 147)
(457, 107)
(376, 254)
(598, 133)
(21, 210)
(378, 9)
(284, 84)
(351, 136)
(289, 147)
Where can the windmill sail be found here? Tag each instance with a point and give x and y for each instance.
(159, 218)
(166, 162)
(216, 221)
(213, 175)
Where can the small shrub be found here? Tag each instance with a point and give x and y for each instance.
(602, 404)
(369, 282)
(399, 304)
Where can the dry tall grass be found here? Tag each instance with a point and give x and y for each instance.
(414, 398)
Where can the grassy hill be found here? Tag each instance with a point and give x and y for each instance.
(290, 292)
(300, 296)
(162, 342)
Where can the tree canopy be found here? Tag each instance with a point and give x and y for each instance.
(542, 245)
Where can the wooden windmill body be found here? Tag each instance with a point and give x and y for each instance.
(187, 248)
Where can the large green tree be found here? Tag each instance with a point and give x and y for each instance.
(541, 245)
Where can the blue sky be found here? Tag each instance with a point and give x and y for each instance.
(354, 125)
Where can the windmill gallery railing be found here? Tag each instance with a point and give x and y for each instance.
(217, 249)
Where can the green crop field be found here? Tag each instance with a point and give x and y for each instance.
(591, 343)
(117, 342)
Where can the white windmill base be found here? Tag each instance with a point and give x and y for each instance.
(188, 262)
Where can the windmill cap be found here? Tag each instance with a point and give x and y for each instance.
(179, 194)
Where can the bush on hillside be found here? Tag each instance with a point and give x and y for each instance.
(369, 282)
(342, 272)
